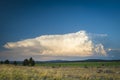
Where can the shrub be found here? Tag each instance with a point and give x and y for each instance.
(31, 62)
(1, 62)
(6, 61)
(25, 62)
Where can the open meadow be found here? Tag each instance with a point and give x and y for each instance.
(62, 71)
(59, 39)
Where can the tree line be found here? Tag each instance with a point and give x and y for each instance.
(26, 62)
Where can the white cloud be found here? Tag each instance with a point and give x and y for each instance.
(98, 35)
(72, 44)
(112, 49)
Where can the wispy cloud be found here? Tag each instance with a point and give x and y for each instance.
(112, 49)
(71, 44)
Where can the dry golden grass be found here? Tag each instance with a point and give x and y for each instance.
(11, 72)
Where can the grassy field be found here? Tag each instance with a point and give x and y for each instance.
(80, 64)
(62, 71)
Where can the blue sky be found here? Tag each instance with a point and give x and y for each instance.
(26, 19)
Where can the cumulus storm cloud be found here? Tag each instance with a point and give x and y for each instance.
(72, 44)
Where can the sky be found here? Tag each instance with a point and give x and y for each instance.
(59, 29)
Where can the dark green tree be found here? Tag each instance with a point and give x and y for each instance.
(31, 62)
(15, 63)
(6, 61)
(25, 62)
(1, 62)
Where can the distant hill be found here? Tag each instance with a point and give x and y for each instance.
(88, 60)
(62, 61)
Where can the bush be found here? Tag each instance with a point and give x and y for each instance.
(1, 62)
(6, 61)
(29, 62)
(25, 62)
